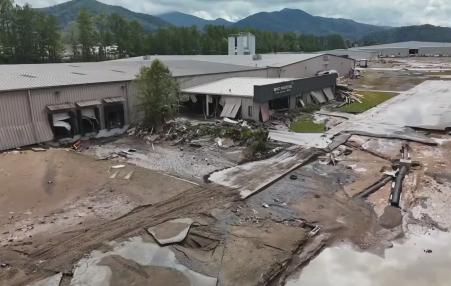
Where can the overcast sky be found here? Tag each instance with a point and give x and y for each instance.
(379, 12)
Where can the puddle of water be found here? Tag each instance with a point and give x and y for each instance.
(404, 264)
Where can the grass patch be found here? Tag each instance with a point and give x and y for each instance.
(369, 100)
(307, 126)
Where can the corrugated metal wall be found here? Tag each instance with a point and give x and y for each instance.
(16, 124)
(24, 119)
(40, 98)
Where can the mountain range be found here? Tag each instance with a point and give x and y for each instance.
(286, 20)
(67, 13)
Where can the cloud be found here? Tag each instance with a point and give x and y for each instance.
(378, 12)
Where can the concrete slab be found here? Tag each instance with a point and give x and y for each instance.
(173, 231)
(427, 106)
(252, 177)
(54, 280)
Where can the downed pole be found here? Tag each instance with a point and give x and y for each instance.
(405, 164)
(375, 187)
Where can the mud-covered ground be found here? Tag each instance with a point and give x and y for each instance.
(89, 217)
(257, 241)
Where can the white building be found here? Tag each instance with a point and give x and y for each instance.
(242, 44)
(406, 49)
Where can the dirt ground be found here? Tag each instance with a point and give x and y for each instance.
(58, 188)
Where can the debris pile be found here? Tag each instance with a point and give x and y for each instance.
(225, 134)
(346, 95)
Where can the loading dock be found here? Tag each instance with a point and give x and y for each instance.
(114, 112)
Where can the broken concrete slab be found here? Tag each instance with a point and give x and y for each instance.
(150, 264)
(54, 280)
(317, 140)
(427, 106)
(173, 231)
(254, 176)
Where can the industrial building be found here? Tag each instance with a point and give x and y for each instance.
(256, 98)
(242, 44)
(406, 49)
(46, 102)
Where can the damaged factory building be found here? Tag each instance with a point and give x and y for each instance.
(257, 98)
(65, 102)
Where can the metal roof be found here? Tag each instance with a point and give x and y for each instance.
(406, 45)
(235, 86)
(29, 76)
(267, 60)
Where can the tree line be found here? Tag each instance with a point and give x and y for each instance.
(29, 36)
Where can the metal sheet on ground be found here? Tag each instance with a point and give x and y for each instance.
(318, 96)
(252, 177)
(329, 94)
(427, 106)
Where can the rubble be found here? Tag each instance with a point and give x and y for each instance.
(173, 231)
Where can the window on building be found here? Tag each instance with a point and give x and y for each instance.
(249, 111)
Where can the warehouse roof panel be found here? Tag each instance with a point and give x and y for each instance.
(266, 60)
(29, 76)
(407, 45)
(236, 86)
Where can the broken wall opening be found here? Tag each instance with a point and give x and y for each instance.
(193, 105)
(114, 115)
(89, 119)
(63, 120)
(279, 103)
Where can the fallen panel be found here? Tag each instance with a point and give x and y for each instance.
(319, 96)
(89, 113)
(252, 177)
(317, 140)
(265, 111)
(231, 107)
(329, 94)
(62, 124)
(173, 231)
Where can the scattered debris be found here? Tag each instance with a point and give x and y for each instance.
(173, 231)
(129, 175)
(118, 167)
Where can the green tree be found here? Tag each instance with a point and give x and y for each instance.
(104, 35)
(135, 39)
(25, 35)
(6, 21)
(48, 39)
(86, 34)
(159, 94)
(119, 30)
